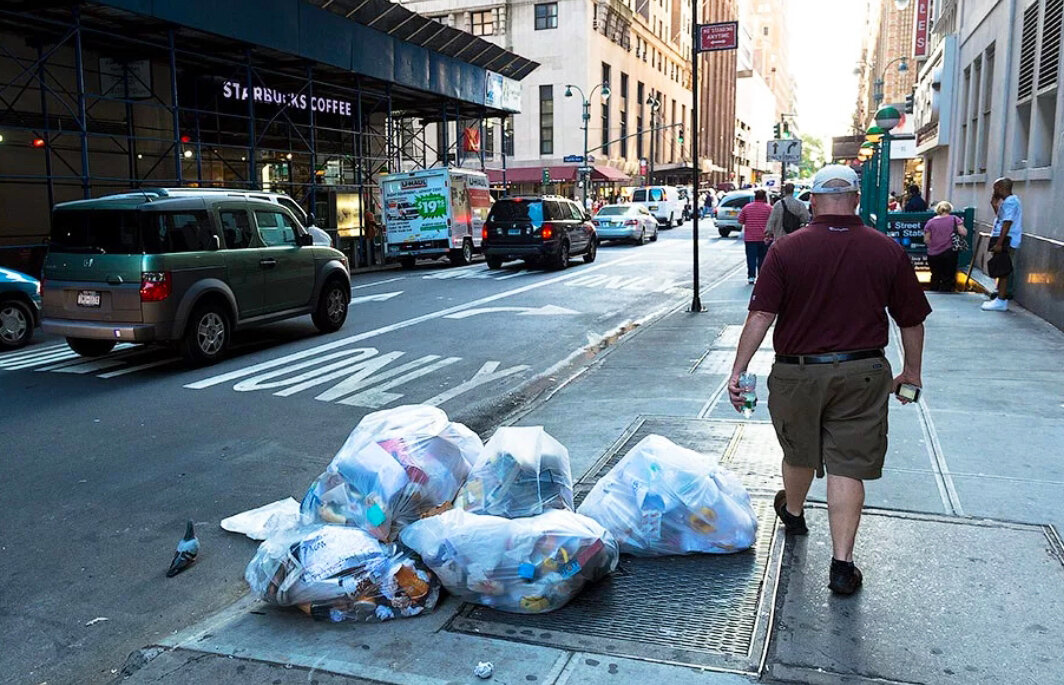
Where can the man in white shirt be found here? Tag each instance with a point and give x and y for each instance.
(1005, 237)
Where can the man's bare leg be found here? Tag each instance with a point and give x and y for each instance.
(1003, 288)
(796, 481)
(845, 500)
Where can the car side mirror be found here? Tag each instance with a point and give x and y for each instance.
(587, 217)
(304, 240)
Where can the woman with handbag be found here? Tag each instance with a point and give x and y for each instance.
(944, 236)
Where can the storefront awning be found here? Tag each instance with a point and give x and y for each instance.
(610, 175)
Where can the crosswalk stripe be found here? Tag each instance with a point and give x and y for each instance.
(38, 361)
(25, 354)
(90, 366)
(123, 351)
(141, 367)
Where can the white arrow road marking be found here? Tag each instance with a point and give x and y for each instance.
(391, 328)
(545, 310)
(379, 297)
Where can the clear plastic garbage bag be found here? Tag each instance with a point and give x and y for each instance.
(663, 499)
(526, 565)
(521, 472)
(396, 466)
(336, 573)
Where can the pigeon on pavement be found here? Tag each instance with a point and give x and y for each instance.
(187, 549)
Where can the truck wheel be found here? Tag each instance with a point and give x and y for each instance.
(206, 334)
(494, 262)
(561, 260)
(16, 324)
(463, 256)
(724, 233)
(332, 306)
(87, 347)
(592, 251)
(407, 262)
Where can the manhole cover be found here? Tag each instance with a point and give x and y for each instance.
(705, 610)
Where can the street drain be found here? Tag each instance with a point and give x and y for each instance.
(710, 611)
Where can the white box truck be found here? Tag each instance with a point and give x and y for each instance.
(432, 213)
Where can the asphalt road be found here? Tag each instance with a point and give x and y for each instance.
(105, 459)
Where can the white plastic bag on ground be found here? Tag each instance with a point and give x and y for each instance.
(521, 472)
(336, 573)
(396, 466)
(525, 565)
(663, 499)
(260, 523)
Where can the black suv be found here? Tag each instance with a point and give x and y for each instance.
(538, 229)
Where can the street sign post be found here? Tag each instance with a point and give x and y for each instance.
(704, 38)
(787, 150)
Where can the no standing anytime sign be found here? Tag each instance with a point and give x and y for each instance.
(721, 36)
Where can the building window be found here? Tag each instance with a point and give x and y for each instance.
(988, 99)
(489, 141)
(546, 120)
(639, 96)
(975, 160)
(508, 136)
(1036, 107)
(624, 114)
(546, 16)
(483, 23)
(673, 132)
(606, 113)
(963, 148)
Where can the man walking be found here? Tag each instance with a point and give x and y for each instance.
(916, 201)
(753, 218)
(828, 288)
(788, 215)
(1004, 237)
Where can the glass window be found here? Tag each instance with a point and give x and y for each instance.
(291, 206)
(177, 232)
(639, 195)
(546, 120)
(656, 195)
(546, 16)
(275, 228)
(577, 213)
(612, 210)
(483, 23)
(236, 229)
(94, 231)
(513, 210)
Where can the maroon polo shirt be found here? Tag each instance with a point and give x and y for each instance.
(831, 285)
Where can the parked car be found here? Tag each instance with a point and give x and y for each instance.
(185, 269)
(538, 229)
(20, 308)
(727, 216)
(626, 222)
(663, 202)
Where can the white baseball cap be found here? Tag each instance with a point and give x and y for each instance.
(835, 178)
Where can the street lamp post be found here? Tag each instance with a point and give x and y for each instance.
(655, 105)
(879, 84)
(587, 119)
(886, 118)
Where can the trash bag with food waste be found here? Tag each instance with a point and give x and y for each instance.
(336, 573)
(525, 565)
(521, 472)
(663, 499)
(396, 466)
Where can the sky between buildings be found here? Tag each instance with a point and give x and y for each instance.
(825, 48)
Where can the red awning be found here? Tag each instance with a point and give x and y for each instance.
(609, 174)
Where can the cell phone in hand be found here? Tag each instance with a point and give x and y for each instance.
(908, 391)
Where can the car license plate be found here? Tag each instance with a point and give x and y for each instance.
(653, 207)
(513, 231)
(88, 298)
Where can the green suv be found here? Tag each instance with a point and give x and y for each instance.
(185, 269)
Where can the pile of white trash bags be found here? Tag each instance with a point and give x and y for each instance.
(413, 501)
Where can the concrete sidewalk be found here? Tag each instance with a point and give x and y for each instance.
(963, 567)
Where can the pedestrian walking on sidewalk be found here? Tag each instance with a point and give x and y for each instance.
(788, 215)
(754, 218)
(941, 255)
(828, 288)
(916, 201)
(1004, 239)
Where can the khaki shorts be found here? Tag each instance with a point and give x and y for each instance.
(832, 416)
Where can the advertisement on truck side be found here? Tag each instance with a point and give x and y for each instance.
(416, 208)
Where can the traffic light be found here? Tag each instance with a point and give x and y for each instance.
(679, 135)
(910, 103)
(776, 130)
(546, 175)
(786, 130)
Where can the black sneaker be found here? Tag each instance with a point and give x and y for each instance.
(793, 525)
(845, 577)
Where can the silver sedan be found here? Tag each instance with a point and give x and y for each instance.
(626, 222)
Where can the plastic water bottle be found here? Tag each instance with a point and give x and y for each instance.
(748, 387)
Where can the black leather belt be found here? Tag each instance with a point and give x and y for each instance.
(829, 358)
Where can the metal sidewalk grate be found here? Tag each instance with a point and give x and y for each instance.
(704, 610)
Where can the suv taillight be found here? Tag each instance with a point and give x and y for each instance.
(548, 232)
(155, 286)
(484, 234)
